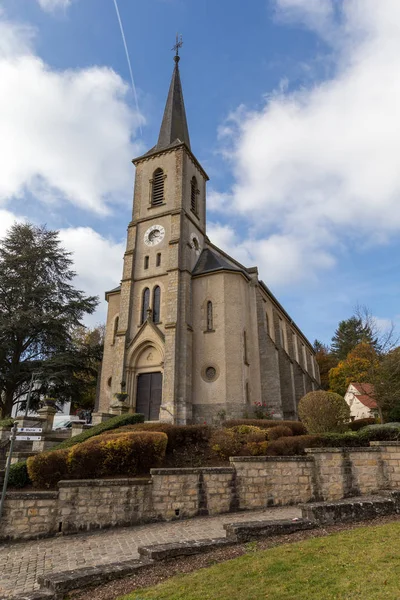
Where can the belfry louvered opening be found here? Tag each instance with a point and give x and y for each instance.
(193, 195)
(157, 196)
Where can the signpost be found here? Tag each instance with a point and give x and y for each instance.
(6, 474)
(29, 430)
(29, 438)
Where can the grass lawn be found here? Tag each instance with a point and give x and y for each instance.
(363, 563)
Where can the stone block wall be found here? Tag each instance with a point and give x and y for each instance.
(94, 504)
(190, 492)
(249, 483)
(269, 481)
(390, 458)
(28, 515)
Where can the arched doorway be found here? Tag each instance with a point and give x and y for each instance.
(145, 378)
(149, 395)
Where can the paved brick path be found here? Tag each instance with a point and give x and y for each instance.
(21, 563)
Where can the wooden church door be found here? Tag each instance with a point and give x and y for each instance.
(149, 394)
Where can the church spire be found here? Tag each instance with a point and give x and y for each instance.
(174, 125)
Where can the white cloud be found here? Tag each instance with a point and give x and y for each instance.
(52, 5)
(64, 135)
(90, 250)
(319, 166)
(7, 219)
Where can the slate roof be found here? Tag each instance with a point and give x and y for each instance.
(365, 393)
(209, 262)
(117, 289)
(364, 388)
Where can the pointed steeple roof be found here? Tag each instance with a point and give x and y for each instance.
(174, 128)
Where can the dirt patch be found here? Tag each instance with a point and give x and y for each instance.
(162, 571)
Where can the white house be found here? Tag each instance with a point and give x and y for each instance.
(359, 397)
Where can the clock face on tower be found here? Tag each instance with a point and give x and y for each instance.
(154, 235)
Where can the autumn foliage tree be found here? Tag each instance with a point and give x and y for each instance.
(359, 366)
(326, 361)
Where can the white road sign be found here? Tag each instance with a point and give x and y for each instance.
(29, 430)
(29, 438)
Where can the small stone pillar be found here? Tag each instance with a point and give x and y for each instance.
(100, 417)
(119, 408)
(46, 413)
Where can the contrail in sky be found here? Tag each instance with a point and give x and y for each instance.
(129, 61)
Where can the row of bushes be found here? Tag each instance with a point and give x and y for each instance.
(253, 441)
(179, 436)
(19, 477)
(296, 427)
(128, 454)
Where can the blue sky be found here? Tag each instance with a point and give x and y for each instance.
(293, 111)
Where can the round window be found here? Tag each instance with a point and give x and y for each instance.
(210, 373)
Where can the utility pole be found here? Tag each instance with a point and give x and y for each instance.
(12, 440)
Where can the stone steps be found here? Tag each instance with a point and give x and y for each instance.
(57, 585)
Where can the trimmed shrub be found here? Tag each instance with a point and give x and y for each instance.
(277, 432)
(293, 446)
(324, 412)
(234, 441)
(113, 423)
(387, 432)
(18, 472)
(128, 454)
(349, 439)
(179, 436)
(296, 426)
(360, 423)
(7, 422)
(18, 476)
(47, 468)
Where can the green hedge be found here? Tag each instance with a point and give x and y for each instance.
(297, 427)
(125, 454)
(360, 423)
(18, 472)
(6, 422)
(179, 436)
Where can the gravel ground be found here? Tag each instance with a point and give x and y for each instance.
(162, 571)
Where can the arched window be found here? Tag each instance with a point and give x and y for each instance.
(210, 317)
(158, 259)
(156, 304)
(157, 196)
(193, 195)
(116, 323)
(245, 355)
(146, 262)
(145, 303)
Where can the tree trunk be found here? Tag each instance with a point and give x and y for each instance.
(8, 403)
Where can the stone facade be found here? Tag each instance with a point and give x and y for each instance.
(246, 350)
(250, 483)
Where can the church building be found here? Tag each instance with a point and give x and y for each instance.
(192, 335)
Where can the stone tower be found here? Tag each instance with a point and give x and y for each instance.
(151, 349)
(192, 335)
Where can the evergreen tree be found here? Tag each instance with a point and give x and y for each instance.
(39, 308)
(349, 334)
(326, 361)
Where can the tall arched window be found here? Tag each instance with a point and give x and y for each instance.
(210, 317)
(193, 195)
(245, 355)
(156, 304)
(157, 196)
(116, 323)
(145, 303)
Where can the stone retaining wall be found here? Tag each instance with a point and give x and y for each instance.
(249, 483)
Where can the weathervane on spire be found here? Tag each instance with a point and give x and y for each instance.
(178, 44)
